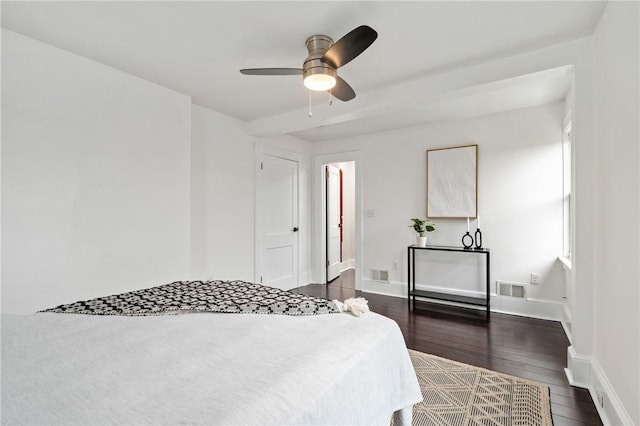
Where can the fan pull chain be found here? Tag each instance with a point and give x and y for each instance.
(330, 98)
(310, 113)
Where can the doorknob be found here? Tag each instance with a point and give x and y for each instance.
(295, 229)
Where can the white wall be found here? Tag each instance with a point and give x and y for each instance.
(222, 197)
(348, 213)
(95, 179)
(617, 291)
(519, 195)
(111, 183)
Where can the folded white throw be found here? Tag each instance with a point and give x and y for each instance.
(358, 306)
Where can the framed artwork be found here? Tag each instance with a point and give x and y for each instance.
(452, 182)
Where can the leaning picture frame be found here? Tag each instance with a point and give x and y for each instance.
(452, 182)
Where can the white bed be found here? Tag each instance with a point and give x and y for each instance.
(205, 368)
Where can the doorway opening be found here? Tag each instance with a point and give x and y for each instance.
(351, 256)
(339, 219)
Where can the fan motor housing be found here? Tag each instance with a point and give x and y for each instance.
(318, 44)
(316, 66)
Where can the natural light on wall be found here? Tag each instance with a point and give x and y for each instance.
(566, 191)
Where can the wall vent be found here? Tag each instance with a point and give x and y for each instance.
(511, 289)
(380, 275)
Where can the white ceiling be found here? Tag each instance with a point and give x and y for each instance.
(197, 48)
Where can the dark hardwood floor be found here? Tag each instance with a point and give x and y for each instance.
(525, 347)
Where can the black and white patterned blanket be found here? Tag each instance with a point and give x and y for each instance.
(202, 296)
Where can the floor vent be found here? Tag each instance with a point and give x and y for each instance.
(511, 290)
(380, 275)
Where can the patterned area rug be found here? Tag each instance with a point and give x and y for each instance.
(457, 394)
(238, 297)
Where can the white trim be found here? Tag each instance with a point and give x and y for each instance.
(391, 288)
(347, 264)
(531, 308)
(264, 148)
(566, 121)
(578, 369)
(612, 411)
(566, 309)
(566, 321)
(586, 372)
(566, 263)
(453, 291)
(317, 192)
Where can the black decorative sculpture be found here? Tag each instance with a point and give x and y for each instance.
(478, 239)
(467, 241)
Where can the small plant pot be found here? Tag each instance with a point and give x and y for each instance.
(421, 241)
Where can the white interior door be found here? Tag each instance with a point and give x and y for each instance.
(334, 263)
(277, 222)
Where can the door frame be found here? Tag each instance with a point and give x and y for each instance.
(327, 220)
(260, 149)
(319, 210)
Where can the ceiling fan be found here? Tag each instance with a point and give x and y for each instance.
(319, 70)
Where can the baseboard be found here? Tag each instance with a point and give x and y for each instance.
(566, 321)
(578, 369)
(585, 372)
(605, 398)
(532, 308)
(392, 288)
(567, 331)
(306, 279)
(347, 264)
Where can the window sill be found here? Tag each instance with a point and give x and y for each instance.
(566, 263)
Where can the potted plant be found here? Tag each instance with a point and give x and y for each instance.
(422, 226)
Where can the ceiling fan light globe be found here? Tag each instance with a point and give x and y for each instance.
(319, 82)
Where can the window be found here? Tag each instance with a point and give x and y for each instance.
(566, 191)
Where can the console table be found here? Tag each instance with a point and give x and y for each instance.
(469, 300)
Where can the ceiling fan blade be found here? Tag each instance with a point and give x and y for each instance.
(350, 46)
(342, 90)
(272, 71)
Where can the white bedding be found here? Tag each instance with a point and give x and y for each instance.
(204, 368)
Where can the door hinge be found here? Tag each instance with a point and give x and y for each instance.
(327, 262)
(260, 279)
(261, 165)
